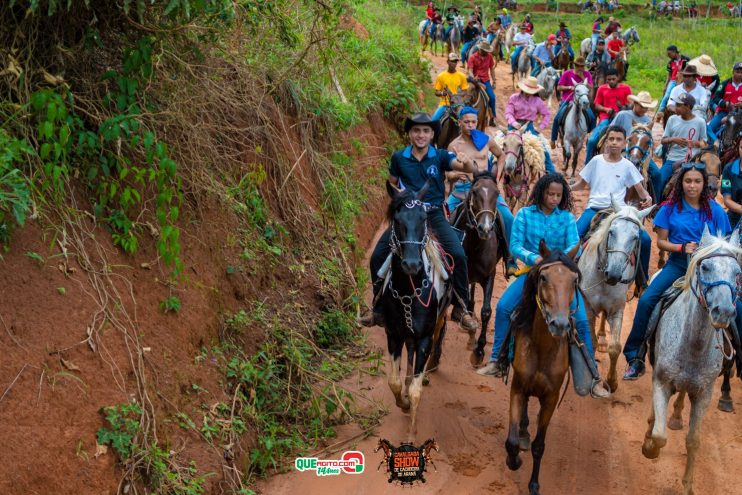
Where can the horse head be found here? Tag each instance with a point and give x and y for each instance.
(385, 445)
(710, 158)
(482, 204)
(409, 219)
(582, 96)
(513, 148)
(713, 276)
(429, 445)
(548, 79)
(639, 145)
(620, 239)
(554, 283)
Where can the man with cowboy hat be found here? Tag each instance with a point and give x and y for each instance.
(524, 108)
(690, 86)
(469, 37)
(674, 67)
(563, 34)
(521, 41)
(481, 68)
(543, 55)
(727, 97)
(571, 78)
(412, 167)
(447, 84)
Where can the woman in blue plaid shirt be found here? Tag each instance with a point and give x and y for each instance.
(547, 217)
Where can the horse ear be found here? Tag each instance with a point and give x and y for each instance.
(615, 204)
(645, 212)
(734, 240)
(706, 237)
(423, 191)
(543, 250)
(392, 190)
(572, 253)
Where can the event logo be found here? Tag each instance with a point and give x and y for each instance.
(406, 463)
(351, 462)
(433, 170)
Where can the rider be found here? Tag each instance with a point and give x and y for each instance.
(596, 32)
(547, 217)
(543, 55)
(481, 68)
(690, 86)
(679, 225)
(609, 177)
(727, 97)
(485, 153)
(571, 78)
(617, 47)
(674, 66)
(599, 60)
(562, 35)
(685, 135)
(731, 183)
(524, 108)
(608, 98)
(613, 25)
(528, 24)
(470, 36)
(447, 84)
(418, 163)
(521, 41)
(452, 14)
(506, 19)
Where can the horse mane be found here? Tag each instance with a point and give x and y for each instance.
(718, 244)
(400, 198)
(597, 237)
(524, 315)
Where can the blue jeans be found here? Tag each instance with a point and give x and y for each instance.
(465, 49)
(715, 124)
(655, 177)
(569, 49)
(502, 208)
(537, 67)
(548, 164)
(665, 175)
(514, 57)
(670, 86)
(492, 98)
(563, 108)
(711, 135)
(510, 300)
(439, 112)
(592, 141)
(594, 40)
(674, 268)
(583, 225)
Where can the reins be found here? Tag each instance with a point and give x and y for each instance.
(603, 260)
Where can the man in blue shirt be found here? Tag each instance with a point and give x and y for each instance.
(543, 55)
(506, 19)
(411, 168)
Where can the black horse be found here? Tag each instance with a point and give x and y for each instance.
(732, 130)
(415, 298)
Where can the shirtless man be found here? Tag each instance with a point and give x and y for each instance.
(478, 145)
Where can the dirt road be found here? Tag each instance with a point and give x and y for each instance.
(592, 446)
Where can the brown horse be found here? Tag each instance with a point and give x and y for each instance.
(542, 327)
(477, 216)
(561, 59)
(639, 152)
(473, 96)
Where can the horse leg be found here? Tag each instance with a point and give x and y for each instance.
(725, 401)
(548, 405)
(614, 349)
(517, 403)
(477, 355)
(676, 420)
(470, 308)
(602, 341)
(435, 355)
(566, 154)
(395, 380)
(415, 390)
(410, 364)
(698, 405)
(524, 438)
(656, 437)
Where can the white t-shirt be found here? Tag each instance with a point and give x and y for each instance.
(609, 178)
(522, 37)
(699, 93)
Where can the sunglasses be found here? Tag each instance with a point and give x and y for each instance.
(695, 165)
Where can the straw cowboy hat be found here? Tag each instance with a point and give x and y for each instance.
(644, 99)
(530, 85)
(704, 65)
(485, 47)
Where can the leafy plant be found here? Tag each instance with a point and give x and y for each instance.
(170, 305)
(15, 195)
(124, 421)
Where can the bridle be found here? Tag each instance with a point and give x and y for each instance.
(703, 286)
(645, 152)
(603, 260)
(519, 168)
(396, 244)
(472, 219)
(538, 287)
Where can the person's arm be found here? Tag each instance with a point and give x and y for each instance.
(463, 163)
(517, 239)
(665, 245)
(509, 116)
(585, 176)
(579, 184)
(646, 202)
(572, 237)
(733, 206)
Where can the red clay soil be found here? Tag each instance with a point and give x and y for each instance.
(53, 386)
(593, 446)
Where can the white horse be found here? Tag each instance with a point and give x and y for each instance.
(630, 36)
(509, 35)
(689, 345)
(523, 64)
(609, 265)
(574, 128)
(548, 78)
(586, 47)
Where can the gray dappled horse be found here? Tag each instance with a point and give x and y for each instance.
(574, 127)
(609, 266)
(547, 78)
(523, 64)
(691, 342)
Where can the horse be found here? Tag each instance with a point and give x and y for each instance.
(387, 447)
(450, 120)
(609, 265)
(509, 35)
(630, 36)
(548, 78)
(639, 152)
(416, 294)
(732, 129)
(689, 344)
(542, 329)
(586, 47)
(523, 64)
(453, 40)
(519, 171)
(477, 217)
(574, 127)
(562, 60)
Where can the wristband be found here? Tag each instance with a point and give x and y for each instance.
(682, 248)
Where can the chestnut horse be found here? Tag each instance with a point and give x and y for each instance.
(542, 327)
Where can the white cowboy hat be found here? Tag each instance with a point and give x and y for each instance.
(644, 99)
(705, 65)
(485, 47)
(530, 85)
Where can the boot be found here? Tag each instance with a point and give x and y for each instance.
(374, 317)
(465, 320)
(493, 368)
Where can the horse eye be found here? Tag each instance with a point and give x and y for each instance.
(704, 268)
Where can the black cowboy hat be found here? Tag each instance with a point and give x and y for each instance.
(421, 118)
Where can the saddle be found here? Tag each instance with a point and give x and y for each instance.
(563, 119)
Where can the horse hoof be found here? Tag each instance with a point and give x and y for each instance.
(476, 358)
(403, 403)
(675, 423)
(650, 450)
(533, 489)
(726, 405)
(426, 381)
(514, 463)
(524, 442)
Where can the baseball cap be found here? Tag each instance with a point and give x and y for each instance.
(738, 66)
(686, 99)
(453, 56)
